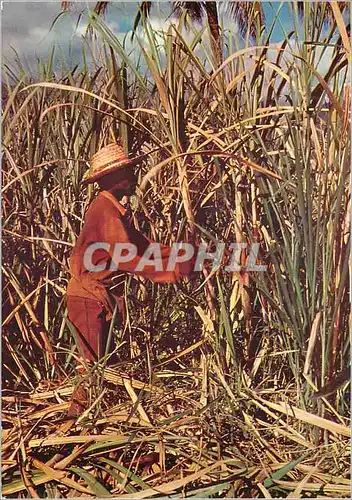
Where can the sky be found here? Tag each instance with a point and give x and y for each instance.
(29, 29)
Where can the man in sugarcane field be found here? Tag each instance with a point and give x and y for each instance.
(100, 255)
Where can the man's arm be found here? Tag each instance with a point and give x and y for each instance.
(143, 241)
(113, 230)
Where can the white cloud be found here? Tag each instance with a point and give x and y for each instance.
(28, 28)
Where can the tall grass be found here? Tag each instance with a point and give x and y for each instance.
(255, 151)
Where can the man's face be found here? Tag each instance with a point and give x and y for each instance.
(127, 182)
(124, 180)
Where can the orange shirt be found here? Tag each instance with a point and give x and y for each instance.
(106, 221)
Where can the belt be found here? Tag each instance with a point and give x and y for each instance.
(87, 287)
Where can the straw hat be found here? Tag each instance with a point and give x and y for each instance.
(109, 159)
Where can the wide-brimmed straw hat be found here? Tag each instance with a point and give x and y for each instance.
(109, 159)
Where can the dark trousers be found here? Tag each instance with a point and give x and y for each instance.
(88, 318)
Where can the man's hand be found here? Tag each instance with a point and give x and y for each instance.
(187, 267)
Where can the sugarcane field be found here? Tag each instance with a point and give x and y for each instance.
(176, 223)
